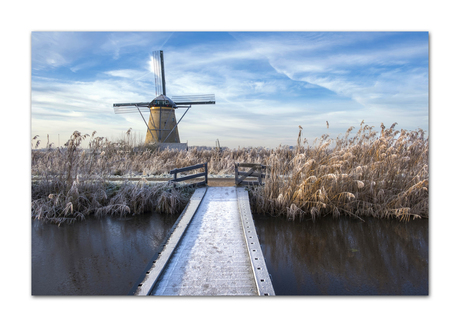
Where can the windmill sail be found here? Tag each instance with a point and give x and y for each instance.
(126, 108)
(186, 100)
(159, 72)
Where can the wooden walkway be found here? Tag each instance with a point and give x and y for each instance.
(213, 250)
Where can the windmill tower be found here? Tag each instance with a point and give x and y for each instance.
(162, 124)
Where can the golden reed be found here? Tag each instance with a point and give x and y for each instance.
(371, 174)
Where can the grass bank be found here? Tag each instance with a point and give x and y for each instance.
(378, 174)
(382, 174)
(52, 203)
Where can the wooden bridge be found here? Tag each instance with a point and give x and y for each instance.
(213, 250)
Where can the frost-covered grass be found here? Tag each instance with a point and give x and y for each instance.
(71, 184)
(109, 159)
(51, 202)
(381, 174)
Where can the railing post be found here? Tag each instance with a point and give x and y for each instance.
(236, 173)
(206, 172)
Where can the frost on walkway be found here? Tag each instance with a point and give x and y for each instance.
(212, 258)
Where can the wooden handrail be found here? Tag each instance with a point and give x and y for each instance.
(257, 170)
(175, 171)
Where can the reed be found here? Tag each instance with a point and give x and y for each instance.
(101, 198)
(70, 183)
(381, 174)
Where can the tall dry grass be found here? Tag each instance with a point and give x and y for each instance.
(373, 174)
(381, 174)
(85, 199)
(103, 158)
(70, 183)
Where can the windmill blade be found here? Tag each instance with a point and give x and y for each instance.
(194, 99)
(159, 72)
(124, 108)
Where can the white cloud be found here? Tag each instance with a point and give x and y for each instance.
(62, 107)
(394, 89)
(130, 74)
(56, 49)
(51, 50)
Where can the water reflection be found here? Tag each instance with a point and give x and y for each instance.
(345, 257)
(97, 256)
(107, 256)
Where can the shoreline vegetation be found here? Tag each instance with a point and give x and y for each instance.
(381, 174)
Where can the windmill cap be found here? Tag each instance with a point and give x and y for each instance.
(156, 102)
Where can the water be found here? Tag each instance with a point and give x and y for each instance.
(94, 257)
(329, 257)
(345, 256)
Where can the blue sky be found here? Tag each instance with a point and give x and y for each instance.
(266, 83)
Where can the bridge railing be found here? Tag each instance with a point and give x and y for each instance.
(193, 176)
(256, 170)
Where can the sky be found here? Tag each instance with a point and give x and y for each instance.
(266, 84)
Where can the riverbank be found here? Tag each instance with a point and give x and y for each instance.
(52, 202)
(375, 174)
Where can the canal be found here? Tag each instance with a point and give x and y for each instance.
(103, 256)
(328, 257)
(345, 256)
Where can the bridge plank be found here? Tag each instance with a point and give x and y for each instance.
(155, 272)
(212, 258)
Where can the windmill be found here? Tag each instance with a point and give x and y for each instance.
(162, 125)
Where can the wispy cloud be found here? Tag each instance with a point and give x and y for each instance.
(365, 67)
